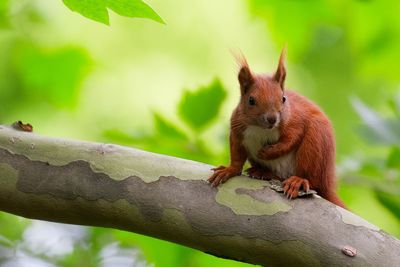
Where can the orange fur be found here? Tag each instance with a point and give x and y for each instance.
(300, 128)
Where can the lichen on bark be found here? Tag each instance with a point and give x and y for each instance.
(235, 195)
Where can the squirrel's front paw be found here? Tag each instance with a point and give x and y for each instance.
(292, 185)
(222, 174)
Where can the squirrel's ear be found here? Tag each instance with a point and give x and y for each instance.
(280, 73)
(245, 76)
(245, 79)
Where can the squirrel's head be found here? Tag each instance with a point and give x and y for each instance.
(263, 97)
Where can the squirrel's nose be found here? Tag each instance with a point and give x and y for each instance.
(271, 119)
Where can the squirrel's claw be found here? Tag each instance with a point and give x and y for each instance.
(222, 174)
(255, 172)
(292, 185)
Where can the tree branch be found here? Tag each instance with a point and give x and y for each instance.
(168, 198)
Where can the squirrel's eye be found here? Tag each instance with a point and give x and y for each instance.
(252, 101)
(283, 99)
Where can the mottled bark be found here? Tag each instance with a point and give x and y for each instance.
(168, 198)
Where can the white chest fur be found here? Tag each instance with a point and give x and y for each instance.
(254, 138)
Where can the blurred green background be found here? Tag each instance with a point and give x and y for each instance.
(171, 88)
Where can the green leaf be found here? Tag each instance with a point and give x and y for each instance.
(12, 227)
(134, 9)
(393, 160)
(197, 109)
(97, 10)
(54, 75)
(165, 254)
(167, 129)
(91, 9)
(389, 201)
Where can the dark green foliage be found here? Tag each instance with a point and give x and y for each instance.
(199, 108)
(390, 201)
(393, 160)
(98, 9)
(167, 129)
(15, 228)
(35, 76)
(53, 75)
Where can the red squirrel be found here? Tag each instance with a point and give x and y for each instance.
(283, 135)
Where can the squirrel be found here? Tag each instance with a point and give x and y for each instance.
(282, 134)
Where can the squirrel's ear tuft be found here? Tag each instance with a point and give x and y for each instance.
(245, 76)
(280, 73)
